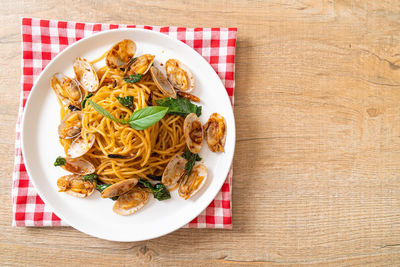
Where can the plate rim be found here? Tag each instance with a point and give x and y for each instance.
(23, 135)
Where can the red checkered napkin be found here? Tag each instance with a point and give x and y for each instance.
(42, 40)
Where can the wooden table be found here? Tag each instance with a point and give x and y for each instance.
(317, 164)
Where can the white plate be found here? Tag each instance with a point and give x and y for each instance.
(94, 215)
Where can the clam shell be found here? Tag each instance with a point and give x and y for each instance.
(69, 128)
(215, 132)
(66, 89)
(78, 166)
(141, 65)
(120, 54)
(193, 131)
(119, 188)
(86, 75)
(131, 202)
(74, 185)
(78, 147)
(179, 75)
(162, 82)
(174, 171)
(191, 185)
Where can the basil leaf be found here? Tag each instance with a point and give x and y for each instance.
(145, 117)
(191, 161)
(189, 155)
(103, 111)
(102, 187)
(133, 78)
(85, 99)
(60, 161)
(126, 101)
(90, 177)
(159, 190)
(146, 183)
(179, 106)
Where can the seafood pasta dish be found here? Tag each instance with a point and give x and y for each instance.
(131, 130)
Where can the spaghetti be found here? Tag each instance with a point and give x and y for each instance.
(127, 124)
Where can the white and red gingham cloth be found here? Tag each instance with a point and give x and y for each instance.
(42, 40)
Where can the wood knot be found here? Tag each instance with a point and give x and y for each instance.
(146, 254)
(373, 112)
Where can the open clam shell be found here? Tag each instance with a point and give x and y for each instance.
(75, 185)
(215, 132)
(120, 54)
(131, 202)
(86, 75)
(193, 131)
(174, 171)
(179, 75)
(66, 89)
(79, 147)
(71, 125)
(78, 166)
(162, 82)
(119, 188)
(141, 65)
(192, 184)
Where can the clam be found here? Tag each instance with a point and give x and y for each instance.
(71, 125)
(215, 132)
(120, 54)
(78, 166)
(131, 201)
(86, 75)
(193, 131)
(119, 188)
(174, 171)
(66, 89)
(179, 75)
(79, 147)
(189, 186)
(162, 82)
(141, 65)
(75, 185)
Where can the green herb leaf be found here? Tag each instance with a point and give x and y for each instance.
(179, 106)
(102, 187)
(90, 177)
(191, 160)
(159, 190)
(123, 121)
(133, 78)
(145, 117)
(126, 101)
(85, 99)
(146, 184)
(103, 111)
(60, 161)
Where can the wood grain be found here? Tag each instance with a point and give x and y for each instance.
(316, 178)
